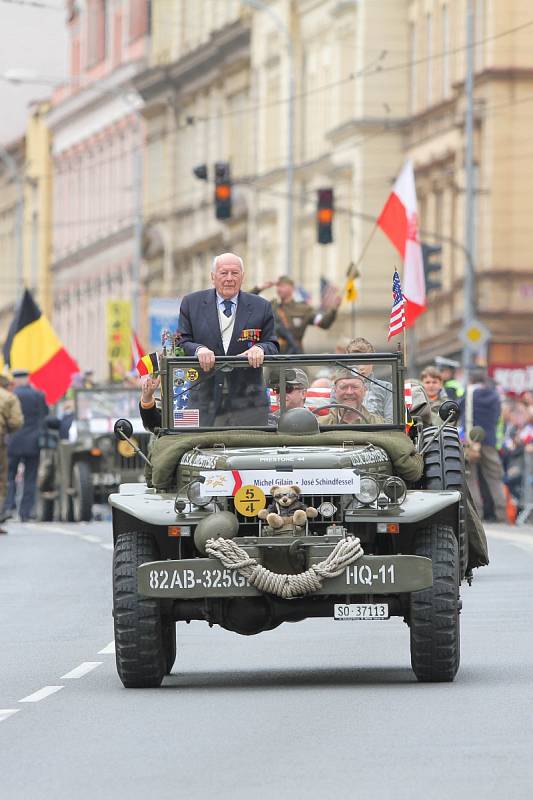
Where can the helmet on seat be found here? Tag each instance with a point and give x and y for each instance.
(298, 421)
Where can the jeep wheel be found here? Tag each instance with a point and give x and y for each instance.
(434, 612)
(169, 643)
(139, 640)
(444, 469)
(82, 499)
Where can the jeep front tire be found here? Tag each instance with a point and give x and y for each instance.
(140, 651)
(434, 612)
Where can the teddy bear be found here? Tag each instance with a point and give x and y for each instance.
(287, 509)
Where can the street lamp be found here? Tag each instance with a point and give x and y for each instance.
(134, 103)
(261, 5)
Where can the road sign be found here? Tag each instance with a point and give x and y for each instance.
(475, 335)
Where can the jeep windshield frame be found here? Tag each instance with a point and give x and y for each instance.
(179, 416)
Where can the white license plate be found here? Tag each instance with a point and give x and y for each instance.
(361, 611)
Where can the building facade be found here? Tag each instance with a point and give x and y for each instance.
(197, 83)
(435, 140)
(219, 89)
(12, 229)
(98, 143)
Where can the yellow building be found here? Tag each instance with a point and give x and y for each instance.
(12, 159)
(26, 218)
(38, 208)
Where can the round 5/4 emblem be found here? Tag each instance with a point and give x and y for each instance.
(125, 449)
(191, 375)
(249, 500)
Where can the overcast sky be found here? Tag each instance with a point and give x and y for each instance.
(30, 39)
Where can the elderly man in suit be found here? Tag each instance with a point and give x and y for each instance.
(216, 322)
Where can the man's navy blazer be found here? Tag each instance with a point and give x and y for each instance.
(200, 327)
(242, 390)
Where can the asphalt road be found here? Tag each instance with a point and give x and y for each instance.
(317, 709)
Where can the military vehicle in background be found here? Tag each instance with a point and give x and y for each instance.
(84, 469)
(378, 521)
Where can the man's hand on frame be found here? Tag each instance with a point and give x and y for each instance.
(255, 356)
(206, 357)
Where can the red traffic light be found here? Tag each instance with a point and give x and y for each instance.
(324, 216)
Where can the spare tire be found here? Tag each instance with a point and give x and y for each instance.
(444, 469)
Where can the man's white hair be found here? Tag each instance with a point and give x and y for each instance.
(214, 267)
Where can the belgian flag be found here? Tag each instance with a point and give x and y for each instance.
(148, 365)
(32, 344)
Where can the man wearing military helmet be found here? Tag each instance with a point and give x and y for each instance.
(350, 392)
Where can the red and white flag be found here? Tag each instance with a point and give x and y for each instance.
(399, 221)
(137, 350)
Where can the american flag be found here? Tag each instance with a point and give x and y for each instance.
(187, 418)
(397, 314)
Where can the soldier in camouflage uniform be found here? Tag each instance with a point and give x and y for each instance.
(11, 419)
(292, 316)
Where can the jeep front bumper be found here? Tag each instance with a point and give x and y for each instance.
(207, 578)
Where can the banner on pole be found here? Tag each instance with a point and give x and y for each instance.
(118, 338)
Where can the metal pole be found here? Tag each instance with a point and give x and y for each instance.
(261, 5)
(290, 158)
(470, 276)
(11, 165)
(138, 225)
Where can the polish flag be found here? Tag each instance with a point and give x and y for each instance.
(399, 221)
(137, 350)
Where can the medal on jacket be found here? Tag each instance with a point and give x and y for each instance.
(250, 336)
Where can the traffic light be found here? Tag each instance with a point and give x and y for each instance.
(200, 172)
(222, 190)
(324, 216)
(429, 252)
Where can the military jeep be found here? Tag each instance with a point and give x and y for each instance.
(83, 469)
(383, 498)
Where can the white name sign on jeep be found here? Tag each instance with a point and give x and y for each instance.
(224, 483)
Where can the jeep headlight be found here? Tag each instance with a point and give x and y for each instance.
(368, 491)
(194, 496)
(395, 489)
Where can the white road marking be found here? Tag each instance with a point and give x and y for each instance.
(521, 539)
(109, 649)
(5, 713)
(44, 526)
(83, 669)
(40, 694)
(86, 537)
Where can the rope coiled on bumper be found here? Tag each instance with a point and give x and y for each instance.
(345, 553)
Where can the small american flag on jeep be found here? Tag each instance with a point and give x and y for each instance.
(187, 418)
